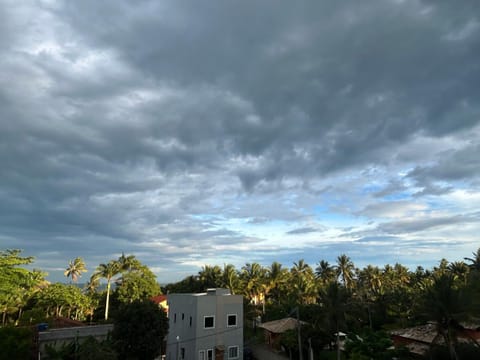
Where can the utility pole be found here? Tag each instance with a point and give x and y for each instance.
(300, 352)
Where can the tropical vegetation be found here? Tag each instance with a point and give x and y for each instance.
(331, 298)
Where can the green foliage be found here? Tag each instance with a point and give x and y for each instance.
(87, 349)
(190, 284)
(137, 284)
(17, 284)
(139, 329)
(289, 340)
(16, 343)
(33, 316)
(63, 352)
(13, 277)
(370, 345)
(63, 300)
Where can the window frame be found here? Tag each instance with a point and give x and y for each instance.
(201, 355)
(205, 319)
(237, 352)
(236, 320)
(210, 354)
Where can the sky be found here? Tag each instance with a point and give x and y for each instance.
(211, 132)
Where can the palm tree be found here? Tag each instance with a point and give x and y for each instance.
(276, 277)
(325, 272)
(442, 267)
(334, 298)
(303, 282)
(128, 263)
(459, 270)
(107, 271)
(229, 278)
(92, 285)
(345, 269)
(370, 289)
(75, 269)
(475, 261)
(210, 276)
(252, 277)
(444, 302)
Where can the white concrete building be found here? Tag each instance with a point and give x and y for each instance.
(205, 326)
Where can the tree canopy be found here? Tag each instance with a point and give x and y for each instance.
(139, 330)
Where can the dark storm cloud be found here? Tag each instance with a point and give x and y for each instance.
(324, 77)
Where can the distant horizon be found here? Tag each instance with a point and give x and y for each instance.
(411, 267)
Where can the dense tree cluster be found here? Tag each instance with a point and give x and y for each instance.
(26, 297)
(340, 297)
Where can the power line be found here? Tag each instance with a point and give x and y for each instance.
(205, 336)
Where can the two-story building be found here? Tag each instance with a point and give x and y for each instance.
(205, 326)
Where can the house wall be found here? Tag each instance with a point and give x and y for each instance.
(182, 307)
(218, 303)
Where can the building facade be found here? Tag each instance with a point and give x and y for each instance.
(205, 326)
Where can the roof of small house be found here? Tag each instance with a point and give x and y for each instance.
(63, 322)
(158, 299)
(280, 326)
(423, 333)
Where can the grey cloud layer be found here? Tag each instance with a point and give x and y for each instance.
(131, 122)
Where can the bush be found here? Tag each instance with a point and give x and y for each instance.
(16, 343)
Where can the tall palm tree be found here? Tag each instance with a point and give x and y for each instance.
(370, 280)
(444, 302)
(345, 269)
(252, 277)
(334, 299)
(106, 271)
(370, 288)
(75, 268)
(303, 282)
(277, 277)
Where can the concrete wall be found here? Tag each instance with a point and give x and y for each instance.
(193, 338)
(60, 337)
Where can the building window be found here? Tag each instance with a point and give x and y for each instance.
(183, 316)
(201, 355)
(231, 320)
(182, 353)
(210, 354)
(209, 322)
(233, 352)
(175, 317)
(190, 321)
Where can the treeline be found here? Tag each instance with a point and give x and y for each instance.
(329, 297)
(391, 292)
(26, 297)
(341, 297)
